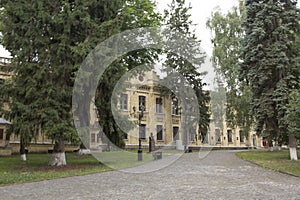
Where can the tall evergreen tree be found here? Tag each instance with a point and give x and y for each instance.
(293, 120)
(48, 41)
(134, 14)
(269, 61)
(293, 107)
(292, 116)
(177, 19)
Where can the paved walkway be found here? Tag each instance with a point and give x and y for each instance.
(220, 175)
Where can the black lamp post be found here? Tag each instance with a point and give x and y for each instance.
(141, 115)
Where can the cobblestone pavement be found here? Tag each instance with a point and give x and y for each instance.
(220, 175)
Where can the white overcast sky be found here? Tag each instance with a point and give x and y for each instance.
(200, 12)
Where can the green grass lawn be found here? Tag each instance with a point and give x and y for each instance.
(126, 159)
(13, 170)
(276, 160)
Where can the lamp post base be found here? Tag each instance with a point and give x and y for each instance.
(140, 155)
(140, 151)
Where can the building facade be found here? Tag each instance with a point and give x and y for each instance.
(159, 116)
(152, 115)
(4, 76)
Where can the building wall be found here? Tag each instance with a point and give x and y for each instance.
(249, 139)
(152, 118)
(143, 85)
(3, 141)
(4, 62)
(169, 121)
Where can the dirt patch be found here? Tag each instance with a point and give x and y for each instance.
(60, 168)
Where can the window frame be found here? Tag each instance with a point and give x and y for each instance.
(159, 105)
(142, 102)
(175, 137)
(242, 136)
(229, 136)
(174, 107)
(1, 134)
(218, 135)
(93, 138)
(124, 102)
(159, 132)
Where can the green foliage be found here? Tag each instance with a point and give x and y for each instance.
(48, 42)
(134, 14)
(293, 113)
(227, 32)
(293, 108)
(269, 61)
(177, 19)
(217, 106)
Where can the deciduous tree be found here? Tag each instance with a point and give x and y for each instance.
(227, 32)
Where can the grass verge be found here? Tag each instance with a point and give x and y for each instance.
(13, 170)
(276, 160)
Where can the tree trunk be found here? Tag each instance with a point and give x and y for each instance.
(22, 149)
(293, 147)
(23, 157)
(58, 157)
(293, 153)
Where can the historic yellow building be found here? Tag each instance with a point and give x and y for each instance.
(4, 141)
(160, 116)
(155, 114)
(152, 113)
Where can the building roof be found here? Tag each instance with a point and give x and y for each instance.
(3, 121)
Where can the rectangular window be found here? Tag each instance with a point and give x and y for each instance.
(205, 139)
(142, 103)
(1, 134)
(175, 133)
(242, 136)
(98, 137)
(229, 135)
(218, 135)
(124, 102)
(93, 137)
(159, 132)
(159, 105)
(254, 140)
(2, 81)
(174, 107)
(142, 132)
(125, 136)
(192, 136)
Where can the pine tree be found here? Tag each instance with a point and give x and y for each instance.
(177, 19)
(135, 14)
(48, 41)
(292, 118)
(269, 61)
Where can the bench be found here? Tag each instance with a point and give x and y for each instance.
(157, 155)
